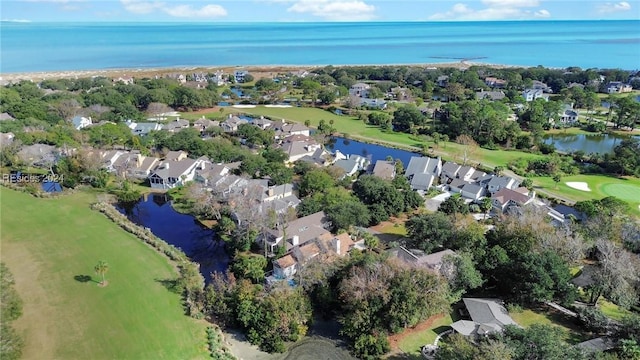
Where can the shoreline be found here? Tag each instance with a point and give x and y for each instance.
(6, 78)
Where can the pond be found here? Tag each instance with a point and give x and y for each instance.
(589, 143)
(200, 244)
(373, 151)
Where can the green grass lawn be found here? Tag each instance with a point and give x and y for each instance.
(548, 316)
(395, 229)
(612, 310)
(51, 246)
(625, 188)
(412, 343)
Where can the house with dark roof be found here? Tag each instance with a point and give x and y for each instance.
(384, 169)
(203, 124)
(449, 171)
(422, 172)
(170, 174)
(176, 125)
(487, 316)
(442, 80)
(495, 183)
(283, 129)
(144, 128)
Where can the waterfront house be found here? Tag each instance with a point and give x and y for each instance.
(218, 78)
(568, 116)
(495, 82)
(539, 85)
(297, 232)
(353, 164)
(283, 129)
(169, 174)
(297, 150)
(372, 103)
(126, 80)
(422, 172)
(384, 169)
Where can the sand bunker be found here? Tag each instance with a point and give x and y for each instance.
(583, 186)
(244, 106)
(278, 106)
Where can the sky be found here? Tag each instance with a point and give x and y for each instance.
(219, 11)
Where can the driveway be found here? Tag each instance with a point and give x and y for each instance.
(433, 203)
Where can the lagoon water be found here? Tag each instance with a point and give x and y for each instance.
(31, 47)
(155, 212)
(373, 151)
(589, 143)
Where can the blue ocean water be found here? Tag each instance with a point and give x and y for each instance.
(28, 47)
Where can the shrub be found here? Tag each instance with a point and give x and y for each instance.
(592, 319)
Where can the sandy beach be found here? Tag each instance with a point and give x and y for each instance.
(257, 71)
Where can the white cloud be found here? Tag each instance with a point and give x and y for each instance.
(147, 7)
(607, 8)
(207, 11)
(141, 7)
(495, 10)
(337, 10)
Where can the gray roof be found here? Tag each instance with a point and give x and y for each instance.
(384, 169)
(597, 345)
(488, 311)
(491, 95)
(422, 181)
(500, 181)
(422, 165)
(350, 166)
(305, 228)
(418, 257)
(450, 169)
(176, 168)
(473, 189)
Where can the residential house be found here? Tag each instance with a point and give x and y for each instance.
(568, 116)
(533, 94)
(494, 82)
(239, 75)
(262, 123)
(384, 169)
(170, 174)
(442, 80)
(372, 103)
(495, 183)
(176, 125)
(203, 124)
(360, 90)
(134, 164)
(283, 129)
(81, 122)
(142, 129)
(296, 150)
(209, 173)
(617, 87)
(449, 172)
(466, 172)
(218, 78)
(490, 95)
(400, 94)
(539, 85)
(285, 267)
(176, 155)
(353, 164)
(230, 124)
(126, 80)
(297, 232)
(505, 198)
(200, 77)
(422, 172)
(466, 189)
(418, 258)
(109, 158)
(487, 316)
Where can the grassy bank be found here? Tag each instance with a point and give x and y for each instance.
(51, 246)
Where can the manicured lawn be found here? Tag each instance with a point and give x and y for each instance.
(625, 188)
(395, 229)
(51, 246)
(548, 316)
(413, 342)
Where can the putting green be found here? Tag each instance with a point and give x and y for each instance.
(623, 191)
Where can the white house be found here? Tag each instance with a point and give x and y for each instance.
(360, 90)
(240, 75)
(533, 94)
(81, 122)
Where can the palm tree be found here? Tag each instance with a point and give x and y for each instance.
(101, 268)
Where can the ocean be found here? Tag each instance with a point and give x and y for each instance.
(32, 47)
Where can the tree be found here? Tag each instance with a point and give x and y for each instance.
(468, 147)
(486, 205)
(249, 266)
(556, 179)
(429, 231)
(315, 181)
(101, 269)
(454, 205)
(406, 117)
(539, 342)
(461, 273)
